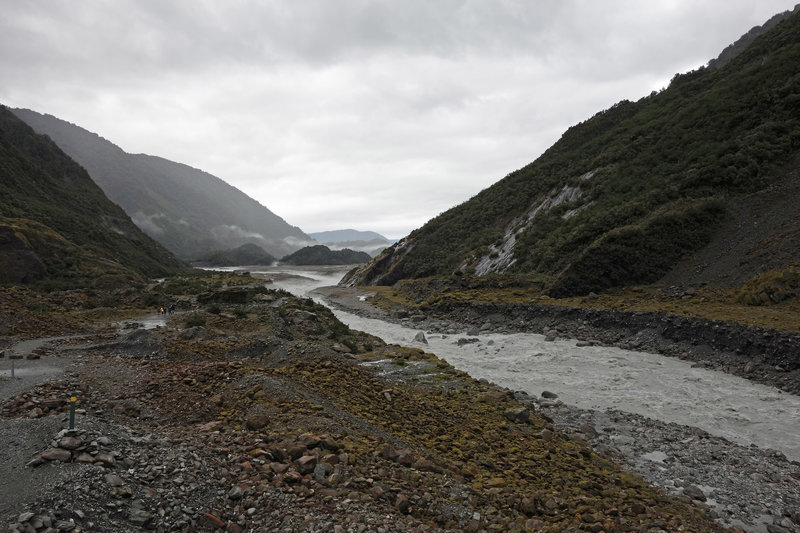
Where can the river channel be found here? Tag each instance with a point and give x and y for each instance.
(595, 377)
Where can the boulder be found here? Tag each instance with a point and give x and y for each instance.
(57, 454)
(306, 464)
(256, 421)
(518, 415)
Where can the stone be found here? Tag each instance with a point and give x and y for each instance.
(52, 403)
(139, 517)
(549, 395)
(496, 482)
(306, 464)
(321, 471)
(405, 457)
(256, 421)
(70, 443)
(293, 476)
(519, 415)
(589, 430)
(36, 461)
(296, 452)
(213, 521)
(24, 517)
(123, 491)
(402, 503)
(64, 525)
(56, 454)
(84, 458)
(694, 493)
(278, 468)
(420, 337)
(638, 508)
(547, 435)
(309, 440)
(105, 459)
(114, 480)
(529, 506)
(236, 493)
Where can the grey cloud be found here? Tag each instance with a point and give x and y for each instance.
(373, 114)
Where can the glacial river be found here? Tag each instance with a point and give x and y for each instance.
(651, 385)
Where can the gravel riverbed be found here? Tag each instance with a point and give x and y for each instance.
(757, 489)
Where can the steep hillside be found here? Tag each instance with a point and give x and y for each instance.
(187, 210)
(636, 191)
(322, 255)
(57, 226)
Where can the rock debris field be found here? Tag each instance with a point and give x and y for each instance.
(280, 419)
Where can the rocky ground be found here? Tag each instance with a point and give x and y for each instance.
(252, 410)
(752, 488)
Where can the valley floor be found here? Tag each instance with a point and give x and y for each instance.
(269, 416)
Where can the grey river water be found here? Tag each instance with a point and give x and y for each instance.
(651, 385)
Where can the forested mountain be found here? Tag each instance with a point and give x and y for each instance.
(697, 183)
(189, 211)
(246, 254)
(322, 255)
(56, 225)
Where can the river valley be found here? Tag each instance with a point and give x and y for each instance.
(597, 377)
(728, 441)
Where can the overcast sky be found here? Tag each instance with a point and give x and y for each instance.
(372, 115)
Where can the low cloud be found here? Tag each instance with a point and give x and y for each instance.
(227, 232)
(147, 223)
(294, 242)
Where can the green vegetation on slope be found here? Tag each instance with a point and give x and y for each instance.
(322, 255)
(246, 254)
(188, 211)
(643, 171)
(58, 225)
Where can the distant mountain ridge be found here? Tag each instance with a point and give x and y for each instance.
(57, 226)
(363, 241)
(734, 49)
(189, 211)
(697, 183)
(344, 235)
